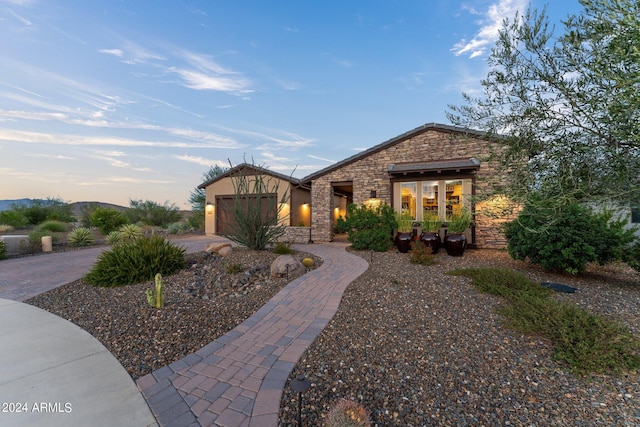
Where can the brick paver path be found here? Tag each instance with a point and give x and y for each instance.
(238, 379)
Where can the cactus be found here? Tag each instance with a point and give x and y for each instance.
(347, 413)
(308, 262)
(156, 299)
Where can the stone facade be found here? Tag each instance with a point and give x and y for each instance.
(368, 172)
(296, 235)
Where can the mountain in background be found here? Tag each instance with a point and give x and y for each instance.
(5, 205)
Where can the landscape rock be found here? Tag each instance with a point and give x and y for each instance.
(280, 264)
(215, 248)
(225, 251)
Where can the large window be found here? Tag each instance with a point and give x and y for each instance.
(443, 197)
(409, 193)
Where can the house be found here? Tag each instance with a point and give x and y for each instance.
(433, 168)
(220, 195)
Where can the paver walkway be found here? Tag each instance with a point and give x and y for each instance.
(238, 379)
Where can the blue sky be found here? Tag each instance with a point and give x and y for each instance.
(118, 100)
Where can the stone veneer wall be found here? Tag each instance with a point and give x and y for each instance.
(296, 235)
(370, 173)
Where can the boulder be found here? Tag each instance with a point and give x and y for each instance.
(225, 251)
(215, 247)
(280, 264)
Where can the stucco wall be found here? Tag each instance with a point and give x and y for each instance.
(370, 173)
(224, 187)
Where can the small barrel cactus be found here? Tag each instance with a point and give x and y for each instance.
(308, 262)
(347, 413)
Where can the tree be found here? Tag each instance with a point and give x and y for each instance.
(256, 208)
(197, 197)
(564, 112)
(151, 213)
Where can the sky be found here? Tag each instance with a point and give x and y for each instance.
(117, 100)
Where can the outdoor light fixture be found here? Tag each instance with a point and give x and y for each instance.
(373, 194)
(300, 385)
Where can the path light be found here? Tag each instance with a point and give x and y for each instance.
(300, 385)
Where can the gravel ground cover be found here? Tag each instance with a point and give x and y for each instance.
(417, 347)
(414, 346)
(202, 303)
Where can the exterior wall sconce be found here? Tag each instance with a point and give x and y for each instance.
(209, 208)
(373, 194)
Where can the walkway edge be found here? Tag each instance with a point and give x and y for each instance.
(238, 379)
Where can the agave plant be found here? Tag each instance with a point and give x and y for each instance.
(80, 236)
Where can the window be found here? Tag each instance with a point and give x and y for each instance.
(443, 197)
(429, 197)
(408, 192)
(453, 197)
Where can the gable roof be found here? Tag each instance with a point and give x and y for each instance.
(391, 142)
(252, 169)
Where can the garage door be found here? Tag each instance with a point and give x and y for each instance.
(225, 218)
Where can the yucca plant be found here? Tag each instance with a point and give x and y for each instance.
(80, 236)
(113, 238)
(130, 232)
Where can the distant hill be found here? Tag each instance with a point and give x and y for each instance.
(78, 207)
(5, 205)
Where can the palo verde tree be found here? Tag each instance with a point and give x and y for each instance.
(564, 111)
(254, 219)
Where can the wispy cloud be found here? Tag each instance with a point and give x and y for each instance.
(82, 140)
(115, 52)
(490, 23)
(201, 161)
(50, 156)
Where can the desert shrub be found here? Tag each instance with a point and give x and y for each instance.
(196, 221)
(130, 232)
(5, 228)
(586, 342)
(14, 218)
(347, 413)
(281, 248)
(107, 220)
(38, 211)
(3, 250)
(136, 261)
(113, 238)
(575, 237)
(53, 226)
(180, 227)
(370, 227)
(80, 236)
(151, 213)
(233, 268)
(421, 253)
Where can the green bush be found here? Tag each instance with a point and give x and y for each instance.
(136, 261)
(587, 343)
(370, 227)
(13, 217)
(107, 220)
(151, 213)
(180, 227)
(3, 250)
(575, 237)
(282, 248)
(53, 226)
(80, 236)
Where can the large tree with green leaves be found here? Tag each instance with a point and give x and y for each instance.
(565, 111)
(197, 197)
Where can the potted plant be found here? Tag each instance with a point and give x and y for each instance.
(430, 235)
(455, 242)
(405, 231)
